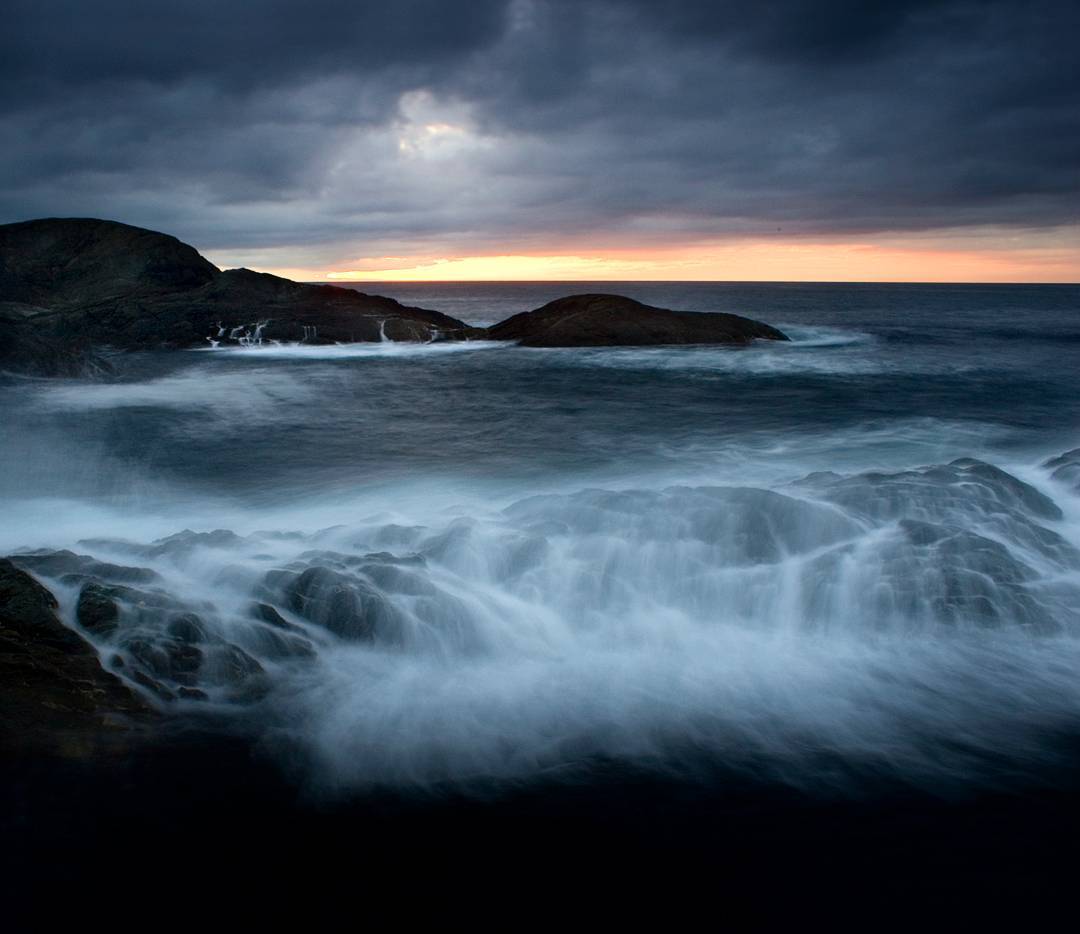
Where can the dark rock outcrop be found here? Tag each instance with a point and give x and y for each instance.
(97, 610)
(68, 285)
(54, 693)
(72, 286)
(157, 641)
(85, 261)
(616, 321)
(57, 563)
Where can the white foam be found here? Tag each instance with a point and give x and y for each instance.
(652, 626)
(359, 351)
(765, 627)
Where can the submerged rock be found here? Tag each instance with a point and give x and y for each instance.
(966, 487)
(613, 321)
(1066, 469)
(186, 661)
(187, 628)
(279, 638)
(54, 693)
(160, 644)
(103, 609)
(230, 665)
(60, 563)
(1007, 488)
(275, 645)
(185, 542)
(97, 610)
(961, 544)
(265, 613)
(167, 659)
(348, 606)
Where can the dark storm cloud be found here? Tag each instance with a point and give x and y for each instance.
(239, 44)
(480, 124)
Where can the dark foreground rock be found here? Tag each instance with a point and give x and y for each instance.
(25, 349)
(169, 646)
(54, 694)
(203, 824)
(69, 285)
(614, 321)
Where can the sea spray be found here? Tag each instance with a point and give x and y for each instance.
(876, 618)
(821, 564)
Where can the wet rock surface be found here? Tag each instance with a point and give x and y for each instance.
(216, 620)
(376, 597)
(60, 563)
(56, 696)
(1066, 469)
(97, 610)
(169, 645)
(959, 545)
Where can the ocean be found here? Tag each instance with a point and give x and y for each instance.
(785, 614)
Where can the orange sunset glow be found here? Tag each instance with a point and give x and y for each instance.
(1044, 259)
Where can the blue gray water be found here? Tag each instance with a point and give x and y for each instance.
(842, 547)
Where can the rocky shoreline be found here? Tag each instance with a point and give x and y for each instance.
(71, 287)
(57, 697)
(102, 646)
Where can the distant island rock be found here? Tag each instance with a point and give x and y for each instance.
(616, 321)
(72, 286)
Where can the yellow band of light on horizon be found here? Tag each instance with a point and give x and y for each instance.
(747, 261)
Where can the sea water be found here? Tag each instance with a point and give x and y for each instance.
(811, 563)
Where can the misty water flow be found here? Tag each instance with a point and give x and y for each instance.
(857, 554)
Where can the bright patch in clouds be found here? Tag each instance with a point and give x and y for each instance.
(428, 127)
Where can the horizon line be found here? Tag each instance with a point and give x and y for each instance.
(984, 282)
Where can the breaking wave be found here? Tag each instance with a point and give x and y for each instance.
(850, 556)
(919, 623)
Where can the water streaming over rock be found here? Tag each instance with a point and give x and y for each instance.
(410, 564)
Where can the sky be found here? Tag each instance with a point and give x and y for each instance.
(558, 139)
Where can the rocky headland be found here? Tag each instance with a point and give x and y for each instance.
(70, 287)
